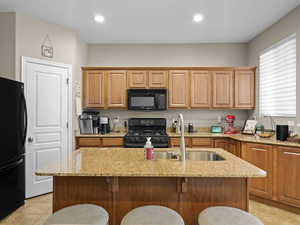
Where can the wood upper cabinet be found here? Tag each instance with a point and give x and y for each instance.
(244, 89)
(116, 89)
(93, 89)
(222, 89)
(216, 88)
(137, 79)
(261, 156)
(288, 175)
(201, 91)
(158, 79)
(178, 89)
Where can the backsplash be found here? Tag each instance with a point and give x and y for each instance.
(199, 117)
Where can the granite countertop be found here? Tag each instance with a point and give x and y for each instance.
(131, 162)
(237, 137)
(240, 137)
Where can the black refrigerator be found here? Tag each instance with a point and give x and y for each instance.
(13, 128)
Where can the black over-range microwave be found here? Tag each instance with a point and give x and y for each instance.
(147, 99)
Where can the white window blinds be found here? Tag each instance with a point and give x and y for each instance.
(278, 79)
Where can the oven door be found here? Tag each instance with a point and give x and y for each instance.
(142, 101)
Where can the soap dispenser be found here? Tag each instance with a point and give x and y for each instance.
(149, 149)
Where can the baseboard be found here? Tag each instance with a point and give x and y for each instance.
(275, 204)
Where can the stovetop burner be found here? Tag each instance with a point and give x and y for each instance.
(140, 128)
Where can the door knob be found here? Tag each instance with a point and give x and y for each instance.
(30, 139)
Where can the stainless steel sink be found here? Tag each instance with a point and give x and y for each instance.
(165, 155)
(191, 155)
(203, 156)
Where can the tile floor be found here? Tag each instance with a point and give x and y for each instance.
(36, 210)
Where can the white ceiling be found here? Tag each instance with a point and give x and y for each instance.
(158, 21)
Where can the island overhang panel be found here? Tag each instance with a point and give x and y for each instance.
(121, 179)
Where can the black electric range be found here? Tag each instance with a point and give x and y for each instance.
(140, 128)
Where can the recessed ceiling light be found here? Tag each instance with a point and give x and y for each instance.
(198, 18)
(99, 18)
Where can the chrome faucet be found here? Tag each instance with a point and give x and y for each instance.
(182, 142)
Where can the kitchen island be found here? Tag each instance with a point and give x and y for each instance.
(120, 180)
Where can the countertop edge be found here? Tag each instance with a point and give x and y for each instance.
(237, 137)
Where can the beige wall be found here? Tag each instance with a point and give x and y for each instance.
(288, 25)
(7, 45)
(68, 48)
(167, 55)
(30, 35)
(171, 55)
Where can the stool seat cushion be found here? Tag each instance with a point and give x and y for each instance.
(87, 214)
(221, 215)
(152, 215)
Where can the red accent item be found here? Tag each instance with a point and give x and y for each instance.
(149, 153)
(230, 128)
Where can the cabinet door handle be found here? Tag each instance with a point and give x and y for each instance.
(292, 153)
(259, 149)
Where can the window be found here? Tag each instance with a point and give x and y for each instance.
(277, 83)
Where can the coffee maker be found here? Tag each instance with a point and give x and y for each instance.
(104, 125)
(89, 123)
(86, 124)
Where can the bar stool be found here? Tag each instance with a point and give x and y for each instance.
(221, 215)
(87, 214)
(152, 214)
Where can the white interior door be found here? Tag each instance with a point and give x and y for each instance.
(46, 91)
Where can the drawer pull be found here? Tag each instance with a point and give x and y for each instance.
(259, 149)
(292, 153)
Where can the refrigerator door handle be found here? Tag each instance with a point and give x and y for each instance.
(10, 166)
(26, 119)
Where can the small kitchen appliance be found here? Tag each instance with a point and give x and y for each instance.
(147, 99)
(86, 124)
(141, 128)
(216, 129)
(104, 125)
(229, 119)
(282, 132)
(116, 124)
(190, 128)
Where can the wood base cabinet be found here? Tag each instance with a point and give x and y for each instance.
(261, 156)
(82, 142)
(231, 146)
(287, 175)
(281, 186)
(195, 142)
